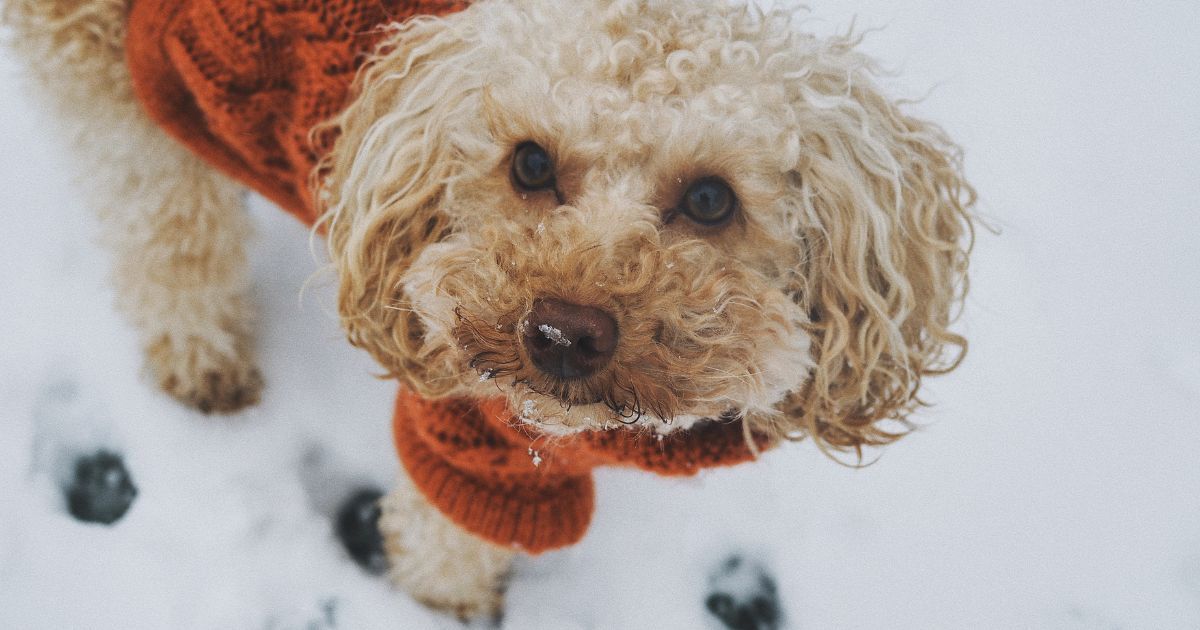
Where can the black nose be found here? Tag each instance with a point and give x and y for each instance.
(568, 340)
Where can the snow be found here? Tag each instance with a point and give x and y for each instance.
(529, 412)
(554, 335)
(1054, 484)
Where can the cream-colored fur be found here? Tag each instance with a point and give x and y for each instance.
(174, 225)
(437, 562)
(815, 313)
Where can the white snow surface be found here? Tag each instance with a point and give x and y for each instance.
(1055, 483)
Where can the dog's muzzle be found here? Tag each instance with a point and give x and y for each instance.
(569, 341)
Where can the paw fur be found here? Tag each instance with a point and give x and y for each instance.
(204, 379)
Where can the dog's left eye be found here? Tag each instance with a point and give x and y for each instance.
(709, 201)
(532, 167)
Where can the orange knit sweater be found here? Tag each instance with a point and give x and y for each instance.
(503, 481)
(242, 82)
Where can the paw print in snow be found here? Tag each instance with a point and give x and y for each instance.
(101, 490)
(742, 595)
(358, 529)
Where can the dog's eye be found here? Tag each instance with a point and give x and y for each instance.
(532, 167)
(709, 201)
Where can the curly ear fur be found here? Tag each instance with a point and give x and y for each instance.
(382, 184)
(885, 215)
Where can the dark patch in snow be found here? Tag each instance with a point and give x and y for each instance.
(102, 490)
(1081, 617)
(358, 529)
(329, 609)
(326, 621)
(743, 596)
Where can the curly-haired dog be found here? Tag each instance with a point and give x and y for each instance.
(646, 232)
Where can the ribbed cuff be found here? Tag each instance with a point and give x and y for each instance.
(533, 511)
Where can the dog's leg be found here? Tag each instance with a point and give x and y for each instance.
(175, 226)
(436, 561)
(181, 276)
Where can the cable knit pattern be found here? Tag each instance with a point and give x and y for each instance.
(242, 82)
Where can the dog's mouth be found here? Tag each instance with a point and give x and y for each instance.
(601, 401)
(569, 400)
(561, 360)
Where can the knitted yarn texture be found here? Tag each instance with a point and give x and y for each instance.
(507, 483)
(242, 82)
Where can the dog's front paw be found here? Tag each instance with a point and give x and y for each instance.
(439, 564)
(199, 376)
(457, 574)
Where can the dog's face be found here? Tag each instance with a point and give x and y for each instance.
(645, 213)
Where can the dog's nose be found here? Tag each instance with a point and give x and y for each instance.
(568, 340)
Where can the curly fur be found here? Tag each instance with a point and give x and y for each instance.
(816, 313)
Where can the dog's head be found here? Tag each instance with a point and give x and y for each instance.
(646, 212)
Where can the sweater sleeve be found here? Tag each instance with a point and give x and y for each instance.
(208, 74)
(489, 480)
(243, 82)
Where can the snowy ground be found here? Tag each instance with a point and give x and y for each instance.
(1055, 485)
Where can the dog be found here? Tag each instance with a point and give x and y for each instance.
(667, 234)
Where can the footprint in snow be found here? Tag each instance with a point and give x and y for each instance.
(351, 502)
(325, 618)
(358, 529)
(101, 490)
(743, 596)
(73, 447)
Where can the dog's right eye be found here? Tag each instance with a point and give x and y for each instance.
(532, 168)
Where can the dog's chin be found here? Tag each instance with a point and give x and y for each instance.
(554, 416)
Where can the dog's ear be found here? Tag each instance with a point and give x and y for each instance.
(886, 223)
(380, 188)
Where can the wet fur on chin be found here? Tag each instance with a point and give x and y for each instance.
(814, 313)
